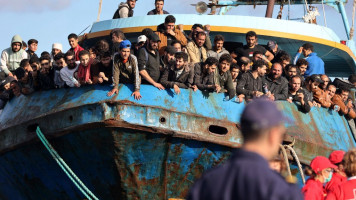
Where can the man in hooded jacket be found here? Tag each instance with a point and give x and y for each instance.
(11, 57)
(125, 9)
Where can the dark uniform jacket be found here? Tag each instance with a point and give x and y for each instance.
(279, 87)
(184, 80)
(247, 84)
(246, 175)
(149, 62)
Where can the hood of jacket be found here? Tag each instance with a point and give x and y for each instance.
(16, 38)
(124, 4)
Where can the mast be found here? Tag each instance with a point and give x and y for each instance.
(99, 12)
(269, 10)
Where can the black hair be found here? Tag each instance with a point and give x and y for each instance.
(45, 53)
(291, 66)
(296, 76)
(73, 35)
(24, 62)
(180, 55)
(234, 66)
(45, 57)
(258, 64)
(84, 52)
(308, 46)
(59, 56)
(341, 89)
(176, 42)
(195, 26)
(159, 0)
(301, 62)
(251, 34)
(118, 33)
(284, 57)
(226, 57)
(257, 52)
(34, 59)
(31, 41)
(200, 34)
(69, 53)
(24, 44)
(211, 61)
(170, 19)
(101, 46)
(219, 38)
(105, 54)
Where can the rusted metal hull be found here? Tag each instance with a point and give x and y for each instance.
(126, 149)
(114, 163)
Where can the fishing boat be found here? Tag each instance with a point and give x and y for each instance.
(77, 143)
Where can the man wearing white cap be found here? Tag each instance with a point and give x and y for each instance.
(56, 48)
(141, 41)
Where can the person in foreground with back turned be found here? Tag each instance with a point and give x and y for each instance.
(247, 175)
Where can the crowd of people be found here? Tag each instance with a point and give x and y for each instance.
(168, 57)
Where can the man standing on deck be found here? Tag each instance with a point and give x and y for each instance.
(125, 9)
(252, 46)
(11, 57)
(247, 175)
(74, 46)
(159, 8)
(117, 36)
(315, 64)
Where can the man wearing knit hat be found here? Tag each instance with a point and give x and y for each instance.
(246, 175)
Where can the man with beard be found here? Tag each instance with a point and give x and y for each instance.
(102, 71)
(218, 49)
(326, 81)
(11, 57)
(67, 73)
(59, 59)
(125, 9)
(315, 63)
(274, 85)
(290, 71)
(159, 8)
(204, 75)
(168, 57)
(196, 49)
(167, 33)
(341, 98)
(296, 94)
(250, 83)
(149, 62)
(224, 79)
(317, 96)
(198, 28)
(252, 46)
(179, 75)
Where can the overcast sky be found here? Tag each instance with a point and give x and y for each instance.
(50, 21)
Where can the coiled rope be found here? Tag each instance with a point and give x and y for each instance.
(77, 182)
(295, 156)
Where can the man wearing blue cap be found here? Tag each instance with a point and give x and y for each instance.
(246, 175)
(125, 70)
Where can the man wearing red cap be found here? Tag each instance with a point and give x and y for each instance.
(321, 173)
(339, 176)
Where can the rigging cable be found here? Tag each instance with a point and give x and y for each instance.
(322, 3)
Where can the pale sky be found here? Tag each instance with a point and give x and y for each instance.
(51, 21)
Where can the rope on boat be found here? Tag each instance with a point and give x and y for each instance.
(74, 178)
(294, 154)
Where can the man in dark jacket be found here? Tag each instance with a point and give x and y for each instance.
(46, 75)
(179, 75)
(274, 85)
(247, 175)
(250, 83)
(297, 94)
(159, 8)
(149, 62)
(125, 9)
(204, 74)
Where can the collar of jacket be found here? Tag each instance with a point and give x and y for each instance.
(277, 81)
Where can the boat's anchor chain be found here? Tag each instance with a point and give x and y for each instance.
(74, 178)
(295, 156)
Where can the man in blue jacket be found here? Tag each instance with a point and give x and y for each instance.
(315, 63)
